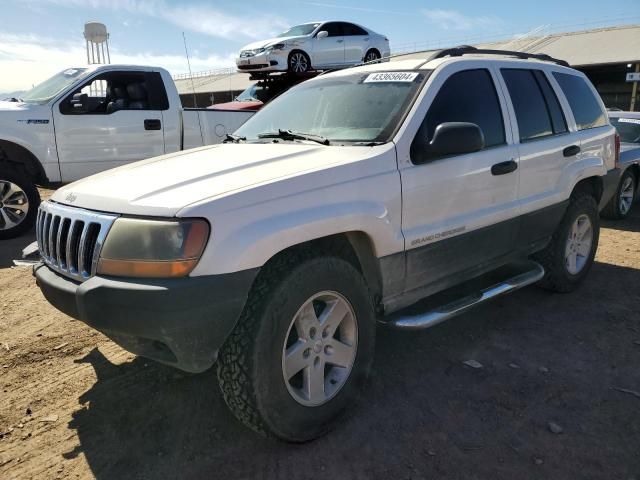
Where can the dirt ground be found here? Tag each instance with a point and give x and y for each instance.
(74, 405)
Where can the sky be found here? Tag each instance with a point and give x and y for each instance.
(41, 37)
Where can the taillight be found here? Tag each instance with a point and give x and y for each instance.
(617, 150)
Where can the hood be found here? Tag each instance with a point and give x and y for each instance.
(270, 41)
(162, 186)
(252, 106)
(16, 106)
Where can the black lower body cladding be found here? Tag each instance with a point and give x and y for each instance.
(181, 322)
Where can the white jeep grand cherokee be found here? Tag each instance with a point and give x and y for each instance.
(458, 178)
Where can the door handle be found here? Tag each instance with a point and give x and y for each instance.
(503, 168)
(571, 151)
(339, 41)
(152, 124)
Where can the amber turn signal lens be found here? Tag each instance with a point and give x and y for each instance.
(146, 269)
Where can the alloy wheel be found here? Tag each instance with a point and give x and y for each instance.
(298, 63)
(578, 247)
(371, 57)
(320, 348)
(14, 205)
(627, 194)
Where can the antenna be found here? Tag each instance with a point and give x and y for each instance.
(193, 87)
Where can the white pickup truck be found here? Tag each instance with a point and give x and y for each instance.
(346, 200)
(85, 120)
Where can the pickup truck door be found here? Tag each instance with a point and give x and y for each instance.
(329, 51)
(105, 137)
(460, 212)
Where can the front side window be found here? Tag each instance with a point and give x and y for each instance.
(586, 109)
(334, 29)
(467, 96)
(362, 107)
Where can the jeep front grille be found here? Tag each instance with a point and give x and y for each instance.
(70, 238)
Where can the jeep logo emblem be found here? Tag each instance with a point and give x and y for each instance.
(70, 197)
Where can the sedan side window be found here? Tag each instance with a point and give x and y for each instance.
(468, 96)
(334, 29)
(350, 29)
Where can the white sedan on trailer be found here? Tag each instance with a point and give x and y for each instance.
(314, 46)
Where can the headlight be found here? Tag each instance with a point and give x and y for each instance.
(277, 46)
(152, 248)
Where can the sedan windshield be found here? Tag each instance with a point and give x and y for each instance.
(48, 89)
(300, 30)
(364, 107)
(628, 129)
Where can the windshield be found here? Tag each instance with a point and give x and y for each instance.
(364, 107)
(628, 129)
(48, 89)
(299, 30)
(252, 94)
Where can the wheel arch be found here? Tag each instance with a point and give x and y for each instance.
(372, 49)
(593, 186)
(18, 155)
(300, 50)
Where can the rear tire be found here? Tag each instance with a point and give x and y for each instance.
(372, 55)
(621, 203)
(19, 202)
(569, 256)
(254, 362)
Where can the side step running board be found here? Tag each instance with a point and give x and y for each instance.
(434, 316)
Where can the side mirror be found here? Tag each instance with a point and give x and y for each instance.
(322, 34)
(80, 103)
(453, 138)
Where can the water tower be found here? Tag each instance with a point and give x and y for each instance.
(96, 36)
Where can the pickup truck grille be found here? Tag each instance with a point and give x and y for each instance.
(70, 238)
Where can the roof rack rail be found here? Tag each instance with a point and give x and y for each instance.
(467, 50)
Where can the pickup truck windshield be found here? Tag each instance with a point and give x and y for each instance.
(48, 89)
(363, 107)
(628, 129)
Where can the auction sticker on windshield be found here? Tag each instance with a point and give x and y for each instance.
(629, 120)
(391, 77)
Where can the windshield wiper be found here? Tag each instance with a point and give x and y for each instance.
(367, 144)
(291, 135)
(234, 138)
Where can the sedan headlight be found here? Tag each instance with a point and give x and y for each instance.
(152, 248)
(277, 46)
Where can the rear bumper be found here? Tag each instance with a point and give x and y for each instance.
(180, 322)
(609, 186)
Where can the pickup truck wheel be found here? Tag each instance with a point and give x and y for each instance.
(302, 349)
(620, 205)
(569, 256)
(19, 201)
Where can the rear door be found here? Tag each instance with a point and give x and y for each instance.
(329, 51)
(545, 146)
(101, 138)
(459, 215)
(356, 43)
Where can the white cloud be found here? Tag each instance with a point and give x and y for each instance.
(195, 17)
(453, 20)
(26, 60)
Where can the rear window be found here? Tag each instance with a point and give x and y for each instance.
(584, 105)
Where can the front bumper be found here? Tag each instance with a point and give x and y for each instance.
(609, 186)
(274, 61)
(181, 322)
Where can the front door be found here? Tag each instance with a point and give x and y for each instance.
(329, 51)
(117, 128)
(460, 212)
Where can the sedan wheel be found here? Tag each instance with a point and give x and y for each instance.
(627, 195)
(298, 62)
(371, 56)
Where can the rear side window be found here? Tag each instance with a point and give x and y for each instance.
(586, 109)
(350, 29)
(467, 96)
(537, 109)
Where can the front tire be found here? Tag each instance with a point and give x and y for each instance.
(298, 62)
(621, 203)
(569, 256)
(302, 349)
(19, 202)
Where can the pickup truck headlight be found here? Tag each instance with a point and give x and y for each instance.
(152, 248)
